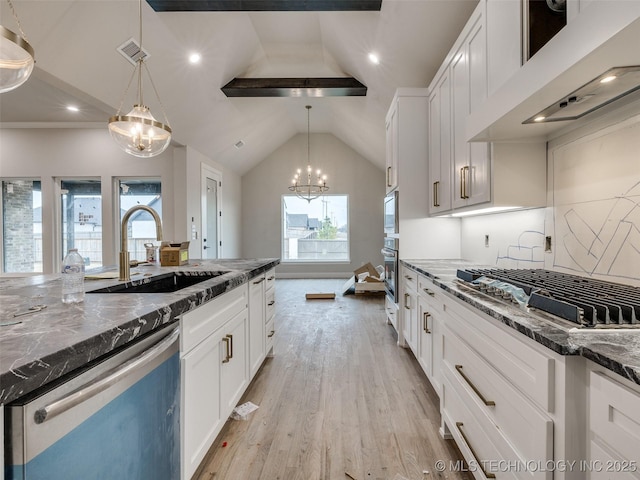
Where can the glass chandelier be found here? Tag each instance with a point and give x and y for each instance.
(16, 56)
(312, 188)
(138, 132)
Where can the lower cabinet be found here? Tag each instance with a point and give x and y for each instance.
(430, 313)
(257, 311)
(270, 299)
(516, 409)
(614, 426)
(214, 367)
(409, 309)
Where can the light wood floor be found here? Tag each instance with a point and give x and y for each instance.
(338, 400)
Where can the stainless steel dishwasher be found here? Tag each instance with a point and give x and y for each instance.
(118, 419)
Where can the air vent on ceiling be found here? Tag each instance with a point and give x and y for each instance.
(131, 51)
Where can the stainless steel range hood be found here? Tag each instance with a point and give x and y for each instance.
(602, 90)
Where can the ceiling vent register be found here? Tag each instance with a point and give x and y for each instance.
(132, 52)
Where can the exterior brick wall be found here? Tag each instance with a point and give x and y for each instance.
(17, 205)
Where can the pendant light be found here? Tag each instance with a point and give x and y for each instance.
(310, 189)
(138, 132)
(16, 56)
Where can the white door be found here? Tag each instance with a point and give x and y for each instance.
(211, 238)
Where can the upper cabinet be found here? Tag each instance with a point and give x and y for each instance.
(391, 125)
(599, 35)
(504, 51)
(471, 182)
(440, 145)
(407, 150)
(468, 176)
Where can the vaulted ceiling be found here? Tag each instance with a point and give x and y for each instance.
(77, 63)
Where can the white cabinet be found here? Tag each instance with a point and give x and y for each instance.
(200, 405)
(430, 314)
(409, 309)
(391, 310)
(464, 176)
(504, 42)
(270, 299)
(257, 315)
(614, 426)
(471, 174)
(498, 393)
(440, 145)
(234, 375)
(391, 173)
(214, 371)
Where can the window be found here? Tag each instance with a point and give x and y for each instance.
(315, 231)
(81, 219)
(22, 226)
(141, 228)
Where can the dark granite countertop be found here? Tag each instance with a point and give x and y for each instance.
(61, 338)
(616, 350)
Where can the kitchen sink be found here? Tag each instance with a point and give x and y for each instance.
(164, 283)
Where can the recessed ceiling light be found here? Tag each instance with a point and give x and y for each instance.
(195, 58)
(373, 58)
(73, 108)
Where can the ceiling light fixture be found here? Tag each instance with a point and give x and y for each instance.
(16, 56)
(311, 189)
(373, 58)
(195, 58)
(138, 132)
(73, 108)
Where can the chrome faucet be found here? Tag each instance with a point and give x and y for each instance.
(125, 272)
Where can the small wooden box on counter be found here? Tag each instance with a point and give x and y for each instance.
(174, 254)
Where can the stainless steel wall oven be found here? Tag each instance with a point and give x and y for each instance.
(390, 254)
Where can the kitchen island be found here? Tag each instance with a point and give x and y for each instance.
(39, 348)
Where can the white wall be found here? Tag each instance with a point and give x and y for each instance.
(49, 153)
(349, 173)
(187, 178)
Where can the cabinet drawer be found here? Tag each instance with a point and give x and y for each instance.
(614, 415)
(525, 367)
(528, 430)
(482, 442)
(604, 466)
(270, 331)
(271, 304)
(271, 278)
(199, 323)
(432, 294)
(470, 434)
(392, 312)
(410, 280)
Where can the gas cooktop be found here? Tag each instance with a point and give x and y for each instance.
(584, 301)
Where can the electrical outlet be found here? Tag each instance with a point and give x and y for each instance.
(486, 240)
(547, 244)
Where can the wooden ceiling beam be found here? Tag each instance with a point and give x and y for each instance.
(295, 87)
(264, 5)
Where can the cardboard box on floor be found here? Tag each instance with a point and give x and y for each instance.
(368, 279)
(174, 254)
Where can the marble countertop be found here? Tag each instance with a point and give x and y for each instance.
(40, 347)
(616, 350)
